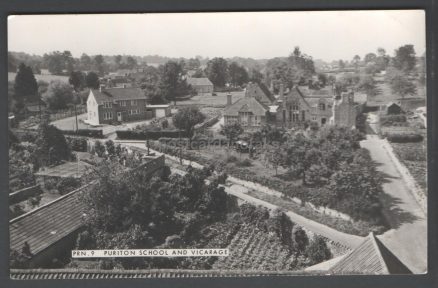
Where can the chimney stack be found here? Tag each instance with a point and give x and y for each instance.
(281, 91)
(229, 99)
(101, 87)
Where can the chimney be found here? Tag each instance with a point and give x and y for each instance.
(281, 91)
(271, 87)
(229, 99)
(124, 85)
(101, 87)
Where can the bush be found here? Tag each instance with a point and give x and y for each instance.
(151, 135)
(317, 251)
(231, 159)
(66, 185)
(78, 144)
(84, 132)
(393, 120)
(404, 137)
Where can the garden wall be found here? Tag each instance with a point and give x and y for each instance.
(23, 194)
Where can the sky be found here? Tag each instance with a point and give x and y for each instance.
(326, 35)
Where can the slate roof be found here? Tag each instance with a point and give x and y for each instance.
(116, 94)
(199, 81)
(370, 257)
(41, 229)
(246, 104)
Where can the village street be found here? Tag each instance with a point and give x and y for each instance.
(408, 237)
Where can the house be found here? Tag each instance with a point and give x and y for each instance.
(393, 108)
(202, 86)
(108, 105)
(248, 111)
(260, 92)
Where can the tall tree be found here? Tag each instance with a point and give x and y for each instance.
(55, 62)
(172, 84)
(77, 80)
(68, 61)
(131, 62)
(12, 63)
(25, 87)
(370, 57)
(217, 71)
(368, 85)
(400, 83)
(238, 74)
(231, 131)
(92, 80)
(86, 62)
(99, 63)
(118, 60)
(404, 58)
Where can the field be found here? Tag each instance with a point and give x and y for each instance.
(46, 78)
(386, 96)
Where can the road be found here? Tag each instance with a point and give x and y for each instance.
(408, 237)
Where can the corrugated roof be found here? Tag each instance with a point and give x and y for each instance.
(370, 257)
(199, 81)
(40, 228)
(246, 104)
(116, 94)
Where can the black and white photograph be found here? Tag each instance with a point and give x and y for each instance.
(217, 144)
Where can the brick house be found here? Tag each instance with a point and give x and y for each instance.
(202, 86)
(109, 105)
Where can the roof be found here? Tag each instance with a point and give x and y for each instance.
(158, 106)
(38, 227)
(370, 257)
(65, 170)
(246, 104)
(199, 81)
(116, 94)
(259, 91)
(34, 274)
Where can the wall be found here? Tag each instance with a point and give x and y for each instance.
(23, 194)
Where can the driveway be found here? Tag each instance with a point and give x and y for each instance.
(408, 237)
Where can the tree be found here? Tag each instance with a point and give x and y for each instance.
(322, 78)
(55, 62)
(172, 84)
(255, 76)
(58, 95)
(68, 61)
(400, 83)
(77, 80)
(341, 64)
(99, 63)
(275, 156)
(118, 60)
(131, 62)
(92, 80)
(370, 57)
(99, 148)
(300, 240)
(110, 147)
(186, 118)
(382, 59)
(238, 74)
(217, 71)
(368, 85)
(317, 251)
(231, 131)
(404, 59)
(12, 63)
(356, 61)
(52, 146)
(86, 62)
(193, 64)
(25, 85)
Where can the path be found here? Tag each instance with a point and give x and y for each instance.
(239, 191)
(408, 237)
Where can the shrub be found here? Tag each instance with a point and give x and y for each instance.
(78, 144)
(68, 184)
(84, 132)
(231, 159)
(317, 251)
(151, 135)
(404, 137)
(165, 124)
(393, 120)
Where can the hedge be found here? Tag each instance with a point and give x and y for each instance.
(84, 132)
(404, 137)
(151, 135)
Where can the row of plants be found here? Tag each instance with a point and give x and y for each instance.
(95, 133)
(151, 135)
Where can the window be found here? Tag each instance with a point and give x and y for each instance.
(107, 115)
(123, 103)
(107, 104)
(133, 102)
(134, 112)
(322, 106)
